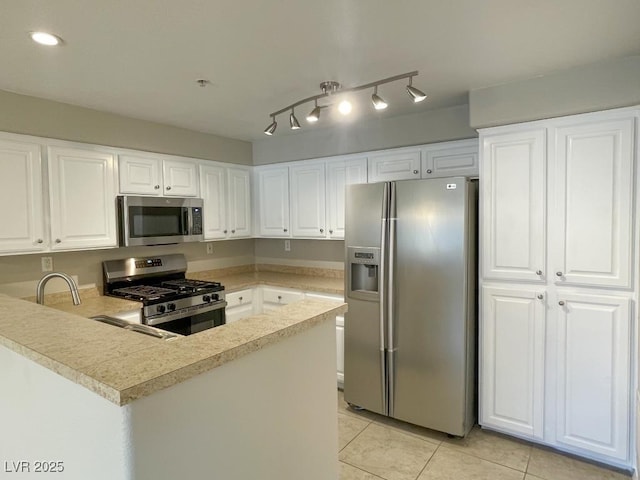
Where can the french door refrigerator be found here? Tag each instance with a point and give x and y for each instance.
(410, 284)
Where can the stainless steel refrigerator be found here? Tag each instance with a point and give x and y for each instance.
(410, 283)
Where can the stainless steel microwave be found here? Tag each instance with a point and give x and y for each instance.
(159, 220)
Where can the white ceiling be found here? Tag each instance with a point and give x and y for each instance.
(141, 58)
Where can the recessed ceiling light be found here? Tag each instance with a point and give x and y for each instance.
(44, 38)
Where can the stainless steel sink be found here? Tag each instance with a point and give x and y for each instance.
(135, 327)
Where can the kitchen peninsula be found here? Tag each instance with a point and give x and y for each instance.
(253, 399)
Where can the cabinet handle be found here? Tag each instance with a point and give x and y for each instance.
(429, 171)
(330, 231)
(233, 231)
(539, 273)
(322, 230)
(157, 187)
(40, 240)
(240, 299)
(561, 302)
(558, 274)
(415, 172)
(285, 229)
(225, 231)
(279, 297)
(540, 296)
(169, 187)
(58, 240)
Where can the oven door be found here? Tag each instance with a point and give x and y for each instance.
(196, 321)
(159, 221)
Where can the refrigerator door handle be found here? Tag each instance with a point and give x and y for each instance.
(383, 293)
(391, 347)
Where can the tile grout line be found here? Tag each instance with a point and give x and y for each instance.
(484, 459)
(428, 461)
(349, 442)
(362, 469)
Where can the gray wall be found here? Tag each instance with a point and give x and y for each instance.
(46, 118)
(87, 265)
(415, 129)
(303, 250)
(611, 84)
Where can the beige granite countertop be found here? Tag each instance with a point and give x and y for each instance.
(121, 365)
(92, 303)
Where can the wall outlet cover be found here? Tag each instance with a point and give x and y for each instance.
(287, 245)
(209, 248)
(47, 264)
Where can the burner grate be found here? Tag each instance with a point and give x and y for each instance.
(144, 291)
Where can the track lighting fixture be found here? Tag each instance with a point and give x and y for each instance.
(414, 93)
(271, 128)
(329, 88)
(314, 115)
(378, 102)
(293, 121)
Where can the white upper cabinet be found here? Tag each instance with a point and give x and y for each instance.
(307, 183)
(593, 368)
(156, 175)
(140, 175)
(400, 164)
(180, 178)
(273, 201)
(22, 215)
(226, 192)
(450, 159)
(593, 203)
(513, 345)
(341, 173)
(82, 198)
(239, 202)
(513, 193)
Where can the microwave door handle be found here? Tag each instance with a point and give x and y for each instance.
(186, 221)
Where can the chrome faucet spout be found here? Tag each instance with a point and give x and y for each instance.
(72, 286)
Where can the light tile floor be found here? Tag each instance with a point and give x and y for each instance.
(373, 447)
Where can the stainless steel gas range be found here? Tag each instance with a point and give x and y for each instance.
(169, 300)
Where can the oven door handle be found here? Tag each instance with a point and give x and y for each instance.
(219, 305)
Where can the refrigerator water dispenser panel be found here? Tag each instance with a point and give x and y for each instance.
(364, 264)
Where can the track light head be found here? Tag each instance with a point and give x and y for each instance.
(314, 115)
(293, 121)
(417, 95)
(378, 102)
(271, 128)
(345, 107)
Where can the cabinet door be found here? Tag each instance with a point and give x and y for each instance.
(273, 201)
(388, 166)
(512, 203)
(449, 160)
(239, 202)
(82, 199)
(214, 195)
(593, 373)
(139, 175)
(339, 175)
(273, 298)
(22, 214)
(180, 178)
(593, 205)
(512, 336)
(308, 200)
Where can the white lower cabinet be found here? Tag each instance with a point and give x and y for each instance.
(593, 373)
(512, 360)
(239, 305)
(273, 298)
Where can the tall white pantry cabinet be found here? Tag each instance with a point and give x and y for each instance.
(558, 299)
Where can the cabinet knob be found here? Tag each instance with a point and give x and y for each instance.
(322, 230)
(157, 187)
(415, 172)
(540, 296)
(558, 274)
(279, 297)
(285, 230)
(539, 273)
(225, 231)
(233, 231)
(240, 299)
(40, 240)
(330, 231)
(561, 302)
(58, 240)
(429, 171)
(169, 187)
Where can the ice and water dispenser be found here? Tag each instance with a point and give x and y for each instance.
(363, 272)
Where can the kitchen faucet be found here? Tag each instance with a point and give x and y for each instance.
(72, 286)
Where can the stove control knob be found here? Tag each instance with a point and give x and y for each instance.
(171, 307)
(160, 309)
(206, 298)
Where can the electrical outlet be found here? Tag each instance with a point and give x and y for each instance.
(287, 245)
(47, 264)
(209, 248)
